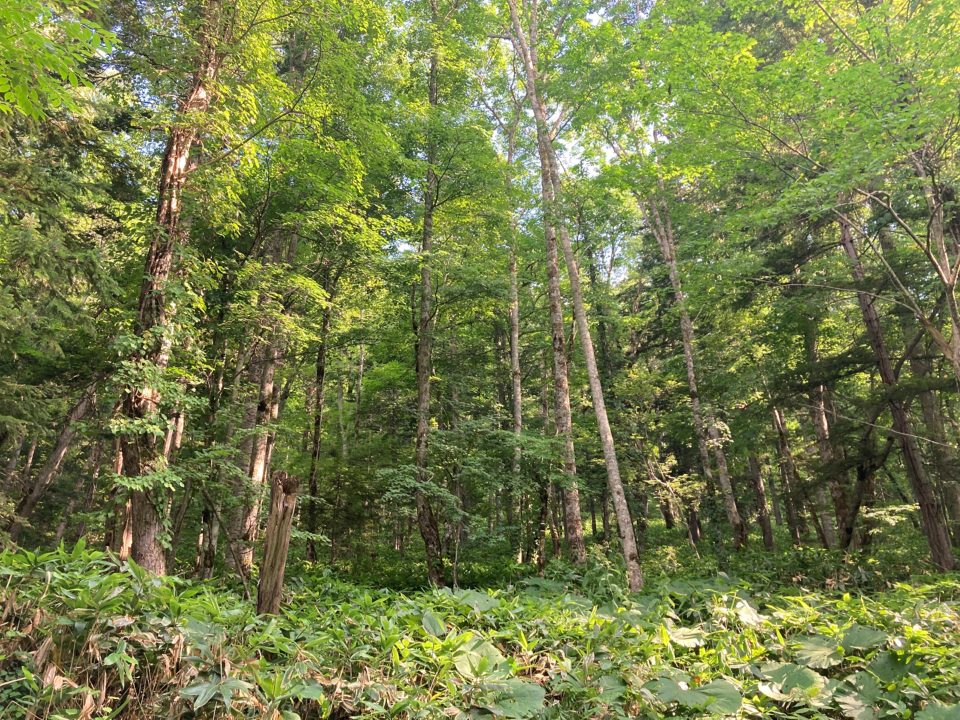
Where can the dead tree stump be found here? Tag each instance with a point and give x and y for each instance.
(283, 501)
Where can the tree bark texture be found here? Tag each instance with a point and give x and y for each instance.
(763, 514)
(657, 216)
(50, 468)
(426, 519)
(141, 456)
(789, 477)
(283, 502)
(934, 524)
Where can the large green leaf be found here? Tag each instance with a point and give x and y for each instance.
(687, 637)
(478, 657)
(944, 712)
(859, 637)
(791, 682)
(433, 625)
(478, 601)
(857, 696)
(718, 697)
(520, 699)
(818, 652)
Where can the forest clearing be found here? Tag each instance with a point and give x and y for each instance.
(479, 359)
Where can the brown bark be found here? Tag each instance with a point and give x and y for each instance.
(657, 216)
(775, 497)
(821, 429)
(562, 417)
(141, 457)
(763, 515)
(46, 475)
(356, 405)
(517, 405)
(313, 485)
(790, 478)
(283, 502)
(244, 519)
(426, 519)
(931, 513)
(14, 460)
(28, 462)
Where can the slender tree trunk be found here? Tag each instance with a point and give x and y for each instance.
(92, 465)
(544, 496)
(643, 508)
(934, 525)
(141, 457)
(515, 374)
(605, 514)
(29, 503)
(942, 452)
(244, 520)
(763, 514)
(775, 497)
(573, 522)
(657, 216)
(313, 485)
(356, 406)
(426, 519)
(28, 462)
(790, 478)
(14, 460)
(825, 449)
(283, 502)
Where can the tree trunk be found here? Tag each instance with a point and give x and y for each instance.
(426, 519)
(29, 503)
(790, 478)
(14, 460)
(313, 486)
(775, 497)
(244, 520)
(517, 405)
(28, 463)
(544, 496)
(934, 525)
(821, 429)
(643, 507)
(283, 502)
(356, 406)
(657, 217)
(573, 522)
(92, 465)
(763, 514)
(141, 457)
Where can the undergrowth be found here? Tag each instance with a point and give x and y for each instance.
(87, 637)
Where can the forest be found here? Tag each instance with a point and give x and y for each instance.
(479, 359)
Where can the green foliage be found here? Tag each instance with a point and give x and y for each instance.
(43, 48)
(79, 623)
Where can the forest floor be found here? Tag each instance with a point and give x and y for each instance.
(796, 634)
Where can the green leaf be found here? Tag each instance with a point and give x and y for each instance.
(792, 681)
(719, 697)
(687, 637)
(818, 652)
(520, 699)
(612, 687)
(479, 601)
(477, 657)
(433, 625)
(858, 637)
(944, 712)
(858, 695)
